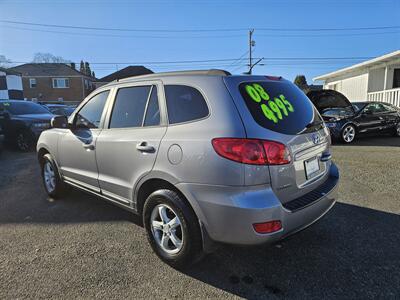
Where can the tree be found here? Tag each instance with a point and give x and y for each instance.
(93, 75)
(41, 57)
(4, 62)
(301, 82)
(82, 67)
(88, 72)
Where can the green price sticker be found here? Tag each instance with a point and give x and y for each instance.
(273, 109)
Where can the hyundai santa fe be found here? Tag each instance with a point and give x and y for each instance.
(202, 156)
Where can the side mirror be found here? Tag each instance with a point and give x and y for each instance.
(59, 122)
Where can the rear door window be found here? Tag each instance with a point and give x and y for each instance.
(184, 104)
(129, 107)
(279, 106)
(153, 110)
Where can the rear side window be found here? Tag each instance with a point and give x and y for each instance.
(184, 103)
(129, 107)
(279, 106)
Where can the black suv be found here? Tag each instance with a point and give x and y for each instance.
(22, 122)
(345, 120)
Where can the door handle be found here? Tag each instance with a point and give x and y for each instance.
(144, 147)
(88, 146)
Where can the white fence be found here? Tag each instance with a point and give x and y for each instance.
(391, 96)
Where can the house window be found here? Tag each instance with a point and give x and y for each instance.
(396, 78)
(60, 83)
(32, 83)
(86, 84)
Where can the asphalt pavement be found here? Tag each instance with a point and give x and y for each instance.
(82, 247)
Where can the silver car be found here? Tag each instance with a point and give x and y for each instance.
(202, 156)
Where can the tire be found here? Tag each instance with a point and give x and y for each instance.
(54, 187)
(24, 140)
(348, 134)
(171, 205)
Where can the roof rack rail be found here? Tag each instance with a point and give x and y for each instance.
(189, 72)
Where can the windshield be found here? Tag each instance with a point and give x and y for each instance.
(24, 108)
(359, 106)
(279, 106)
(65, 111)
(339, 111)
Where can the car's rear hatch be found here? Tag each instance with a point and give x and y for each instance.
(292, 120)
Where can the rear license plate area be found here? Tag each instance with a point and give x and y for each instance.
(311, 166)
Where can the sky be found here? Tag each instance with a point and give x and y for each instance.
(307, 37)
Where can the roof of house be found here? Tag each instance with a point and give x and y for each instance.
(377, 60)
(126, 72)
(8, 71)
(47, 69)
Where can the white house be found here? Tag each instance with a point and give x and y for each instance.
(10, 85)
(377, 79)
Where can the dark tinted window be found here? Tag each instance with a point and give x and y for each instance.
(90, 115)
(129, 107)
(359, 105)
(388, 107)
(153, 111)
(396, 78)
(184, 103)
(279, 106)
(24, 108)
(374, 108)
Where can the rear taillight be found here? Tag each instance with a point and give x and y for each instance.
(252, 151)
(268, 227)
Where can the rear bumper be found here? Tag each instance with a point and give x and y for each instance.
(227, 213)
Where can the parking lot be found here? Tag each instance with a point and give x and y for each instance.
(83, 247)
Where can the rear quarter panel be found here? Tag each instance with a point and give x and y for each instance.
(186, 152)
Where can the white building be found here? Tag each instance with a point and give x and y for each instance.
(10, 85)
(377, 79)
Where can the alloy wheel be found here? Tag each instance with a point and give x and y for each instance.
(166, 228)
(348, 134)
(49, 177)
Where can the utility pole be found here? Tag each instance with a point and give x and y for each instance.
(251, 45)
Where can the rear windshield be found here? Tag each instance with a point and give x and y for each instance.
(279, 106)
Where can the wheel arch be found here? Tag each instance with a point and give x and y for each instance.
(350, 123)
(153, 184)
(40, 153)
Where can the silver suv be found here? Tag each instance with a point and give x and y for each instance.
(202, 156)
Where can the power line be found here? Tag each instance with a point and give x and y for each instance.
(125, 36)
(239, 59)
(202, 30)
(227, 60)
(90, 34)
(121, 29)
